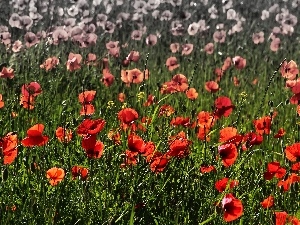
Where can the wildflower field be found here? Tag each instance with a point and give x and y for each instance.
(149, 112)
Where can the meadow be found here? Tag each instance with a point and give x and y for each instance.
(149, 112)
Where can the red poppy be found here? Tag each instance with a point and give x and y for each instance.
(79, 171)
(179, 146)
(191, 94)
(130, 159)
(286, 184)
(9, 150)
(228, 153)
(150, 100)
(296, 166)
(149, 150)
(158, 162)
(223, 106)
(7, 73)
(108, 79)
(86, 97)
(227, 133)
(87, 109)
(114, 135)
(166, 110)
(136, 143)
(128, 115)
(267, 202)
(225, 183)
(226, 64)
(263, 125)
(121, 97)
(27, 102)
(292, 152)
(207, 169)
(90, 127)
(185, 122)
(251, 139)
(31, 89)
(280, 218)
(274, 169)
(35, 136)
(211, 86)
(63, 134)
(280, 133)
(1, 102)
(93, 148)
(180, 82)
(203, 133)
(233, 208)
(56, 175)
(205, 119)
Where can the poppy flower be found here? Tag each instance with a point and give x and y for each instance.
(7, 73)
(135, 143)
(128, 115)
(86, 97)
(286, 184)
(121, 97)
(135, 76)
(91, 59)
(149, 150)
(263, 125)
(185, 122)
(227, 133)
(8, 145)
(90, 127)
(56, 175)
(295, 99)
(275, 44)
(203, 133)
(63, 134)
(73, 62)
(280, 218)
(233, 208)
(158, 162)
(114, 135)
(87, 109)
(130, 159)
(251, 139)
(93, 148)
(205, 119)
(239, 62)
(179, 146)
(174, 47)
(267, 202)
(79, 171)
(187, 49)
(289, 70)
(209, 48)
(280, 133)
(108, 79)
(224, 183)
(207, 169)
(296, 166)
(236, 81)
(219, 72)
(31, 89)
(226, 64)
(172, 63)
(274, 169)
(223, 106)
(292, 152)
(166, 110)
(228, 153)
(191, 93)
(219, 36)
(27, 102)
(150, 100)
(50, 63)
(1, 101)
(35, 136)
(180, 82)
(133, 56)
(211, 86)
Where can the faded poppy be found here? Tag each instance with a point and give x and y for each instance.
(56, 175)
(267, 202)
(35, 136)
(79, 171)
(172, 63)
(7, 73)
(233, 208)
(93, 148)
(228, 154)
(223, 106)
(239, 62)
(209, 48)
(207, 169)
(121, 97)
(225, 183)
(108, 79)
(219, 36)
(90, 127)
(226, 64)
(63, 134)
(74, 61)
(292, 152)
(135, 76)
(263, 125)
(258, 37)
(289, 70)
(91, 59)
(174, 47)
(128, 115)
(236, 81)
(133, 56)
(187, 49)
(50, 63)
(274, 169)
(9, 150)
(211, 86)
(191, 93)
